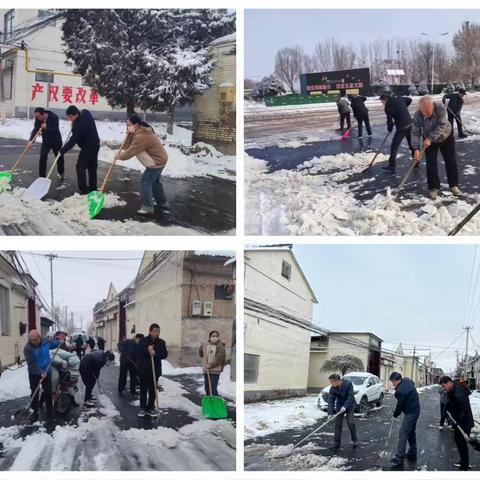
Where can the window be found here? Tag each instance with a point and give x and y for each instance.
(8, 24)
(4, 311)
(44, 77)
(8, 79)
(223, 292)
(286, 270)
(250, 368)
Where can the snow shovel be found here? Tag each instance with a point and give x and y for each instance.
(6, 177)
(409, 172)
(346, 134)
(155, 382)
(288, 451)
(212, 406)
(474, 443)
(40, 187)
(24, 414)
(380, 148)
(460, 122)
(385, 450)
(96, 199)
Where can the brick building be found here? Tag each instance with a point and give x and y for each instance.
(214, 111)
(188, 294)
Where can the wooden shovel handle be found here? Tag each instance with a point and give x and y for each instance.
(154, 374)
(58, 156)
(109, 172)
(22, 156)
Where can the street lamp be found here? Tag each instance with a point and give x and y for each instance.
(433, 53)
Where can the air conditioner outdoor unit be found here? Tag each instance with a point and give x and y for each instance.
(207, 309)
(196, 308)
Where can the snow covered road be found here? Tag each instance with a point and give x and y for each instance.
(112, 437)
(317, 188)
(437, 450)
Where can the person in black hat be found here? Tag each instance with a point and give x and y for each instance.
(454, 108)
(396, 109)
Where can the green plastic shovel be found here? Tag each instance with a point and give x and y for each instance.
(7, 177)
(96, 199)
(212, 406)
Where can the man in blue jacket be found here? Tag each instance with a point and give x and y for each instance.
(408, 404)
(342, 400)
(37, 355)
(85, 135)
(51, 140)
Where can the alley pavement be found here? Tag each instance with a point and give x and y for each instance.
(436, 449)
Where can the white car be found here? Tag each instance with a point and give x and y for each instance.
(367, 388)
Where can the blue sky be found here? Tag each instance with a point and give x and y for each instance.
(266, 31)
(416, 294)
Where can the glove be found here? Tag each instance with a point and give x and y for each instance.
(342, 410)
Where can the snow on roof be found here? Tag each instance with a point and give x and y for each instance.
(226, 39)
(213, 253)
(226, 84)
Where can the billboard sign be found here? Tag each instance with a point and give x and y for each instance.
(356, 79)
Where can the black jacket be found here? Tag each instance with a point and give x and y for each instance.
(358, 106)
(144, 363)
(51, 135)
(341, 397)
(101, 343)
(407, 398)
(455, 102)
(84, 133)
(91, 343)
(458, 405)
(397, 112)
(93, 362)
(128, 349)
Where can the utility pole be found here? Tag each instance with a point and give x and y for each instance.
(465, 367)
(433, 53)
(413, 361)
(51, 257)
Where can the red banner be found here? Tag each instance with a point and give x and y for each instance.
(67, 94)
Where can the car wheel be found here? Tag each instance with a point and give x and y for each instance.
(362, 408)
(380, 400)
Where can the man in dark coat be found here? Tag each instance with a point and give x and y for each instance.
(51, 140)
(454, 108)
(90, 367)
(84, 134)
(344, 110)
(396, 109)
(91, 342)
(458, 405)
(37, 355)
(101, 343)
(128, 350)
(150, 347)
(407, 403)
(79, 346)
(342, 400)
(360, 112)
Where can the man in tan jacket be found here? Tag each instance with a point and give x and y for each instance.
(144, 144)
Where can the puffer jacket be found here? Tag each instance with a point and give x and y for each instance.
(147, 147)
(215, 356)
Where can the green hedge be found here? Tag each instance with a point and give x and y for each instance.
(298, 100)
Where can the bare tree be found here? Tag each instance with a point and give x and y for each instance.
(289, 64)
(466, 43)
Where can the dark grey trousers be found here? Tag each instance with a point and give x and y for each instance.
(408, 434)
(339, 425)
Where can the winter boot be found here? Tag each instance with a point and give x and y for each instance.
(142, 413)
(152, 413)
(433, 193)
(396, 461)
(456, 191)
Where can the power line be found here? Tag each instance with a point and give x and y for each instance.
(64, 257)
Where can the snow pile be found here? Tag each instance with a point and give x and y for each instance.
(70, 217)
(312, 462)
(475, 405)
(157, 437)
(265, 418)
(169, 369)
(296, 203)
(14, 384)
(207, 161)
